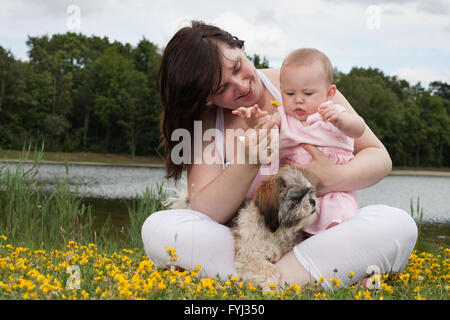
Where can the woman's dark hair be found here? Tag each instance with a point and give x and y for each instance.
(189, 72)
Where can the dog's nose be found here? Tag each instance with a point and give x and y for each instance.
(312, 202)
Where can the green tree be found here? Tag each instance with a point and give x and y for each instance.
(134, 100)
(260, 63)
(110, 69)
(25, 95)
(368, 92)
(84, 85)
(146, 57)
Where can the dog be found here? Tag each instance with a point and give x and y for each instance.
(269, 225)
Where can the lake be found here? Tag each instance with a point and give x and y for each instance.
(109, 189)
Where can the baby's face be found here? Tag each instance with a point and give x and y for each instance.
(303, 89)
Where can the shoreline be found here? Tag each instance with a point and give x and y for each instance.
(395, 172)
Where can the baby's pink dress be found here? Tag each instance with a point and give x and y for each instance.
(334, 206)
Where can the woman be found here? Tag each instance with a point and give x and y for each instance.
(204, 75)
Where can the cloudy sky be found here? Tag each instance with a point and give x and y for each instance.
(407, 38)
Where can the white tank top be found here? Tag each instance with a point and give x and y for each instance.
(219, 139)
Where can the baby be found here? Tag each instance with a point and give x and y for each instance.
(308, 116)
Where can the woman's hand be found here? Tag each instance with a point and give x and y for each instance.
(321, 168)
(258, 144)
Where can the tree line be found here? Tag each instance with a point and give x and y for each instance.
(86, 93)
(413, 122)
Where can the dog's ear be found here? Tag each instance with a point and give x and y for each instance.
(266, 200)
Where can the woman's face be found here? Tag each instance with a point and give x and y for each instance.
(240, 85)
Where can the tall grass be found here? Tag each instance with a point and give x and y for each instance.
(37, 217)
(417, 215)
(33, 215)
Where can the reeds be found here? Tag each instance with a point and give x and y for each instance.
(36, 216)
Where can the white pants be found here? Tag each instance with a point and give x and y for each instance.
(377, 239)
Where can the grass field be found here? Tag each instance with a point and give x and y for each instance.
(85, 272)
(50, 249)
(84, 157)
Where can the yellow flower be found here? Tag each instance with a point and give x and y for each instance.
(419, 297)
(171, 252)
(331, 281)
(297, 287)
(275, 103)
(363, 295)
(161, 285)
(104, 293)
(319, 295)
(387, 288)
(208, 283)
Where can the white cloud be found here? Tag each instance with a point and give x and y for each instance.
(439, 7)
(260, 38)
(412, 33)
(422, 74)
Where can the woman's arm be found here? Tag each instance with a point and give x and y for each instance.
(216, 192)
(371, 163)
(219, 193)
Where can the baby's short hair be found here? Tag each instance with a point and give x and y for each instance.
(307, 56)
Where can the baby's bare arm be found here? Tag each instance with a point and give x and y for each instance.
(349, 123)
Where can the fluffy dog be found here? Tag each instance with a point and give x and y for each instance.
(270, 225)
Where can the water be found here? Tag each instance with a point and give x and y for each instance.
(398, 191)
(105, 182)
(433, 194)
(110, 189)
(108, 182)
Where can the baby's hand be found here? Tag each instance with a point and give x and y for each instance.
(251, 115)
(329, 112)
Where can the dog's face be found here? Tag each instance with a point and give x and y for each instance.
(287, 200)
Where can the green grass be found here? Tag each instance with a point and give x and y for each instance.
(89, 157)
(45, 231)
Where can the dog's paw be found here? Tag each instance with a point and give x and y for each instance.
(271, 280)
(264, 276)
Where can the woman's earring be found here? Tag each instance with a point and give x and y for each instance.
(209, 104)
